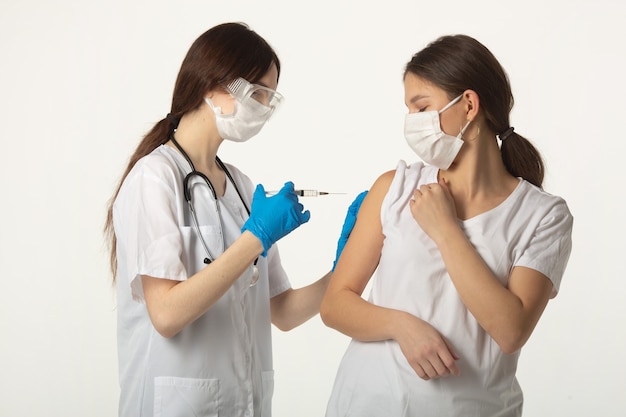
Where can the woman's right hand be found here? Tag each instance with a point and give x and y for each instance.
(272, 218)
(427, 351)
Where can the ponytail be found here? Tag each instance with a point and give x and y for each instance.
(521, 158)
(159, 134)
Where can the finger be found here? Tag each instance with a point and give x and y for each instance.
(451, 350)
(440, 368)
(435, 367)
(259, 192)
(449, 358)
(420, 372)
(430, 370)
(287, 188)
(356, 204)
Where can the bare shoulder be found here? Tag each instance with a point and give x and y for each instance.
(381, 186)
(369, 213)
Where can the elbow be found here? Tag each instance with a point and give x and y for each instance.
(512, 343)
(283, 325)
(509, 348)
(165, 327)
(167, 332)
(326, 313)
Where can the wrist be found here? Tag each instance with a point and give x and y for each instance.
(255, 242)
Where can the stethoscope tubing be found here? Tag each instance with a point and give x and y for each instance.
(187, 193)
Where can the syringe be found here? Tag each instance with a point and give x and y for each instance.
(305, 193)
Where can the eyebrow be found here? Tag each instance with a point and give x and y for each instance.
(417, 97)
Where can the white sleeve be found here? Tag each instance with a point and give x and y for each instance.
(147, 228)
(551, 244)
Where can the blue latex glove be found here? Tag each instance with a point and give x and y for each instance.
(272, 218)
(348, 224)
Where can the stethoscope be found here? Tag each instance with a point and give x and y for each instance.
(187, 192)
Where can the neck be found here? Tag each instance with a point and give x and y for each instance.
(479, 170)
(194, 136)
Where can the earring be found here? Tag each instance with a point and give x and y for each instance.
(475, 137)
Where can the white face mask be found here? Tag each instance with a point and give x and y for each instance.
(245, 121)
(254, 104)
(423, 133)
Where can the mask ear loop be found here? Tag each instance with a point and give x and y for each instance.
(464, 128)
(450, 104)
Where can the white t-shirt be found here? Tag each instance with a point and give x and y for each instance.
(530, 228)
(222, 362)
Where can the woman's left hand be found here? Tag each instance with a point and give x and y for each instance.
(433, 208)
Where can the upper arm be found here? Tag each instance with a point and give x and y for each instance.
(155, 291)
(533, 290)
(361, 254)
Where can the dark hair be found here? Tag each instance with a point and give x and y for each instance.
(457, 63)
(220, 55)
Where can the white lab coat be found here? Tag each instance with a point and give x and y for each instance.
(530, 228)
(221, 364)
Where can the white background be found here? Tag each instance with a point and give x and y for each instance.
(82, 81)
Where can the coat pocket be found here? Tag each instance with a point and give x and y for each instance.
(184, 397)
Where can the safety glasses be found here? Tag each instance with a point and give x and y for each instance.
(242, 91)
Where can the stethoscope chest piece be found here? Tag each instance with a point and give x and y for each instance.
(255, 276)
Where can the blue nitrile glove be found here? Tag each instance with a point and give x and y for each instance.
(272, 218)
(348, 224)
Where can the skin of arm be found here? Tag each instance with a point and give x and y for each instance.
(172, 305)
(295, 306)
(508, 314)
(345, 310)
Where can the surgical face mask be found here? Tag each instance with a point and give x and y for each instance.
(254, 104)
(423, 133)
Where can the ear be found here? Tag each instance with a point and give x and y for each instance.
(472, 104)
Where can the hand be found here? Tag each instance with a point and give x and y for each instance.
(428, 353)
(433, 208)
(348, 224)
(272, 218)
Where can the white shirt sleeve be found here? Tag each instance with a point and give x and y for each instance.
(551, 244)
(147, 227)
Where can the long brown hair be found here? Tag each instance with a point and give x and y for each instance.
(456, 63)
(220, 55)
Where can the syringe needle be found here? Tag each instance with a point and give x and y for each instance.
(305, 193)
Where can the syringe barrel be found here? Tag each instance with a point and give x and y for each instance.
(307, 193)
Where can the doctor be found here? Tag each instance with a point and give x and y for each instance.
(199, 279)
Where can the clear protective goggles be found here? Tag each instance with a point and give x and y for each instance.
(242, 91)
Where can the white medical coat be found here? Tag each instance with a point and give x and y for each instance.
(530, 228)
(221, 364)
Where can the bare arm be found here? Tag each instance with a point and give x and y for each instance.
(510, 314)
(172, 305)
(345, 310)
(295, 306)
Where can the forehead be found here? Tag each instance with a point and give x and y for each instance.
(416, 87)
